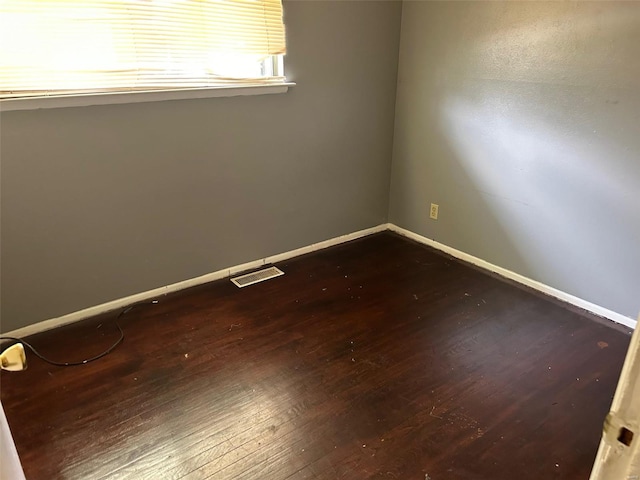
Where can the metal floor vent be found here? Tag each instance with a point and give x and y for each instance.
(255, 277)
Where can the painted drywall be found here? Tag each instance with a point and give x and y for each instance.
(522, 121)
(103, 202)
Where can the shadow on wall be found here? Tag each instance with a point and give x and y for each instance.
(550, 179)
(532, 114)
(563, 166)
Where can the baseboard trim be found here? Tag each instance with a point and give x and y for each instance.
(227, 272)
(516, 277)
(192, 282)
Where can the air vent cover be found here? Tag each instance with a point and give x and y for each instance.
(255, 277)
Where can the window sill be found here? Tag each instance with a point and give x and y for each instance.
(84, 100)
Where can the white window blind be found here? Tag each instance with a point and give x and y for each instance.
(58, 47)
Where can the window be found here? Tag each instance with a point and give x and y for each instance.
(71, 47)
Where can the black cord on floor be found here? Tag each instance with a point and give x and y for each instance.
(83, 362)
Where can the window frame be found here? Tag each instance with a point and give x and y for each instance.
(271, 66)
(114, 98)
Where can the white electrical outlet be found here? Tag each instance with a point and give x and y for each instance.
(433, 213)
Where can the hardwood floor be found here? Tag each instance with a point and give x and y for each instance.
(380, 358)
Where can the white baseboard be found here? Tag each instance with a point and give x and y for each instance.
(541, 287)
(192, 282)
(227, 272)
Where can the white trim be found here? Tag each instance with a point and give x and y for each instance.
(109, 98)
(616, 459)
(192, 282)
(326, 244)
(230, 271)
(10, 467)
(541, 287)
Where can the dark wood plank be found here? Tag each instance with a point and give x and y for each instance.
(380, 358)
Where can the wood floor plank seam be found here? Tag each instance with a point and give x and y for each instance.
(378, 358)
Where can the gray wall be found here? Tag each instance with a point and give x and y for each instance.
(104, 202)
(522, 121)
